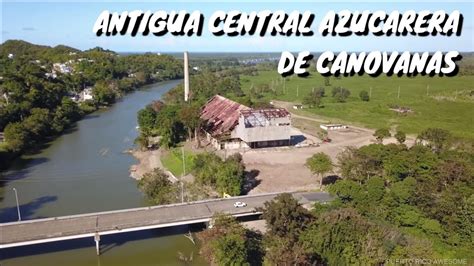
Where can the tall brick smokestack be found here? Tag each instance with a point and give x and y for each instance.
(186, 77)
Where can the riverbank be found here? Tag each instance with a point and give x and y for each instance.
(147, 161)
(7, 157)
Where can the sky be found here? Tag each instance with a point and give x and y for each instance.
(70, 23)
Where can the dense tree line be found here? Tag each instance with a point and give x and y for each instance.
(414, 188)
(391, 202)
(35, 104)
(205, 85)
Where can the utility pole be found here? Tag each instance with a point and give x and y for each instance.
(427, 90)
(184, 163)
(297, 91)
(398, 92)
(184, 173)
(17, 204)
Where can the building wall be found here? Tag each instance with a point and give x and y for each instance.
(226, 144)
(271, 143)
(274, 131)
(332, 127)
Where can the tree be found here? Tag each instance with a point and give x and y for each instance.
(285, 217)
(225, 176)
(227, 242)
(347, 191)
(381, 133)
(146, 120)
(230, 176)
(320, 163)
(190, 117)
(67, 113)
(103, 94)
(312, 99)
(168, 126)
(205, 166)
(38, 123)
(375, 189)
(17, 137)
(364, 96)
(400, 136)
(327, 81)
(321, 92)
(281, 251)
(230, 249)
(322, 134)
(158, 188)
(437, 139)
(340, 94)
(344, 237)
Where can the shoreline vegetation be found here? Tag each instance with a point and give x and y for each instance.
(45, 90)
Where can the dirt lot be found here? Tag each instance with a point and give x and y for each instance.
(283, 169)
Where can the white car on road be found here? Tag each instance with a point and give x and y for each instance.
(240, 204)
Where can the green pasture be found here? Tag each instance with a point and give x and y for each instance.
(442, 102)
(172, 160)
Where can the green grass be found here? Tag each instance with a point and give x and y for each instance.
(172, 160)
(3, 147)
(446, 105)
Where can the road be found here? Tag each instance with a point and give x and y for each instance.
(86, 225)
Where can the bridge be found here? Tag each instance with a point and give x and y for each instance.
(39, 231)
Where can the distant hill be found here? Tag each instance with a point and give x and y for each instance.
(28, 50)
(19, 47)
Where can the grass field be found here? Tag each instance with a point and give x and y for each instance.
(3, 147)
(172, 160)
(442, 102)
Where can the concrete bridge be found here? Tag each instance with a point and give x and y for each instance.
(38, 231)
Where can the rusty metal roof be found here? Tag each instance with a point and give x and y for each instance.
(221, 115)
(267, 112)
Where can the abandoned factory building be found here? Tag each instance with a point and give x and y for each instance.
(230, 125)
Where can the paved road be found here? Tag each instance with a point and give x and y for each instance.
(85, 225)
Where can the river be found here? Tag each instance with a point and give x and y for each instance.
(86, 170)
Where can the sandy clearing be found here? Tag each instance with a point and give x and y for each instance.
(147, 161)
